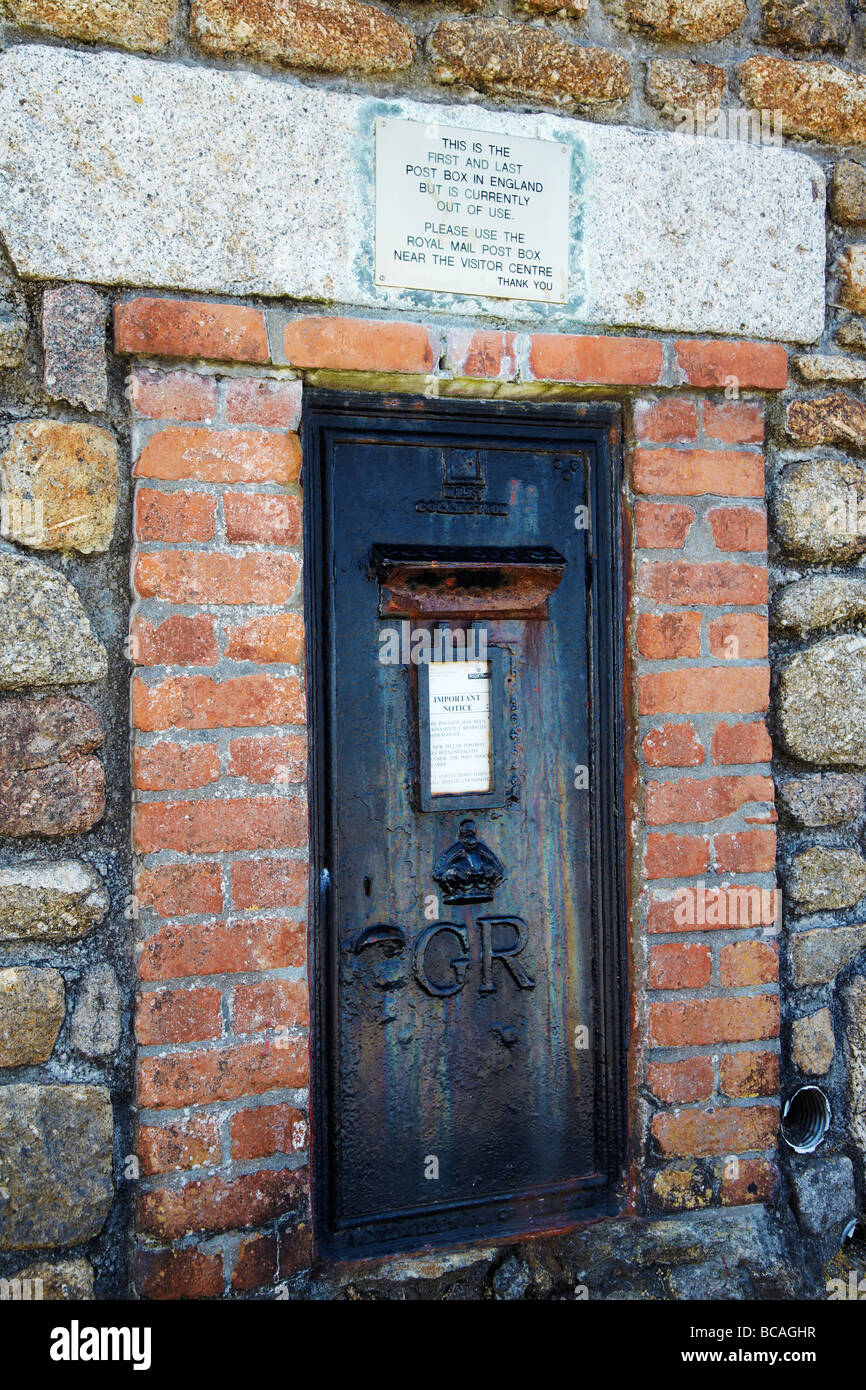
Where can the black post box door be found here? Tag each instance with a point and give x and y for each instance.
(463, 661)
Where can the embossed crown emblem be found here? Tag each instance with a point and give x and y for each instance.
(468, 872)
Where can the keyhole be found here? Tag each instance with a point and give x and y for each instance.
(367, 887)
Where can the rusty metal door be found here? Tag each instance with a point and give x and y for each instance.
(463, 657)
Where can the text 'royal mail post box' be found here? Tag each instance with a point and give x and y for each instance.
(465, 704)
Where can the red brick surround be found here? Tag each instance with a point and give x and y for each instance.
(219, 760)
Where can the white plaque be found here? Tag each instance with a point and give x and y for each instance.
(459, 710)
(471, 211)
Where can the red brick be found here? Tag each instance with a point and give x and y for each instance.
(175, 1274)
(746, 852)
(677, 1083)
(220, 456)
(749, 963)
(603, 360)
(261, 518)
(734, 422)
(173, 395)
(270, 1004)
(178, 1016)
(662, 912)
(213, 1204)
(225, 1073)
(755, 1180)
(662, 636)
(739, 528)
(174, 516)
(264, 883)
(668, 421)
(479, 352)
(731, 1130)
(705, 690)
(747, 1075)
(676, 856)
(360, 345)
(761, 366)
(739, 905)
(210, 827)
(258, 401)
(191, 576)
(176, 890)
(179, 641)
(673, 745)
(690, 472)
(662, 525)
(698, 1022)
(676, 966)
(277, 759)
(738, 636)
(741, 743)
(176, 1145)
(173, 767)
(703, 799)
(190, 328)
(221, 948)
(198, 702)
(275, 637)
(267, 1130)
(296, 1250)
(681, 1189)
(679, 581)
(256, 1263)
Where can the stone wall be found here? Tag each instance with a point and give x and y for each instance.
(816, 487)
(629, 61)
(65, 948)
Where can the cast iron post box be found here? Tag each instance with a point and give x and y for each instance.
(465, 692)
